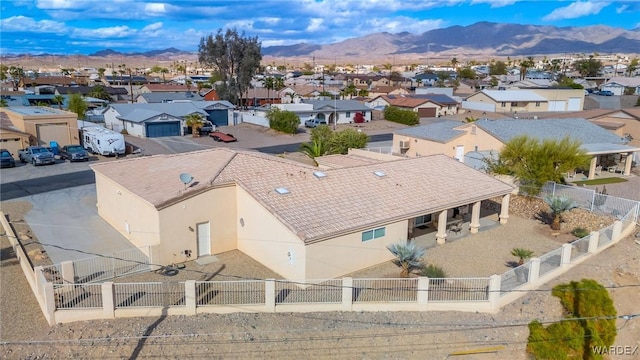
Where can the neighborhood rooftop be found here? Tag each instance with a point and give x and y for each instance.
(345, 200)
(441, 131)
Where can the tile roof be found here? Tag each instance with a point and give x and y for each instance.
(549, 129)
(513, 95)
(347, 200)
(340, 161)
(441, 131)
(158, 97)
(344, 105)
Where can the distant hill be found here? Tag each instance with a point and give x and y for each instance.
(152, 53)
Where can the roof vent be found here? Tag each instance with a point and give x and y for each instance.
(319, 174)
(282, 190)
(379, 173)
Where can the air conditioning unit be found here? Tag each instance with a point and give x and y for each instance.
(404, 144)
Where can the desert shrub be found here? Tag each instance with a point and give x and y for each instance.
(346, 139)
(124, 132)
(580, 232)
(433, 271)
(283, 120)
(406, 117)
(408, 256)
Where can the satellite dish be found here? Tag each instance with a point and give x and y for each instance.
(186, 178)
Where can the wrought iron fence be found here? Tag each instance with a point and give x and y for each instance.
(248, 292)
(309, 291)
(385, 290)
(149, 294)
(550, 261)
(514, 278)
(580, 248)
(72, 296)
(458, 289)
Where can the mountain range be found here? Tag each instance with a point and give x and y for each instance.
(482, 38)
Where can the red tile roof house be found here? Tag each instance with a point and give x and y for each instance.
(300, 221)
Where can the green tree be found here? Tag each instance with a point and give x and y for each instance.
(4, 69)
(100, 92)
(558, 205)
(566, 81)
(494, 81)
(535, 162)
(521, 254)
(4, 103)
(314, 149)
(632, 67)
(321, 134)
(195, 122)
(466, 73)
(402, 116)
(588, 67)
(236, 57)
(269, 84)
(58, 99)
(346, 139)
(498, 68)
(525, 65)
(77, 105)
(283, 120)
(590, 322)
(408, 256)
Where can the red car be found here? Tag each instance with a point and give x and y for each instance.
(220, 136)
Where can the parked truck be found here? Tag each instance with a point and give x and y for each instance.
(37, 155)
(99, 140)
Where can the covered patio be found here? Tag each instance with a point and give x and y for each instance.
(607, 160)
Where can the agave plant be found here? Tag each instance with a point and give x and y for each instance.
(408, 256)
(313, 150)
(521, 254)
(558, 205)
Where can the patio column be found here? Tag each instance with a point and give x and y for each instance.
(592, 167)
(475, 218)
(441, 235)
(504, 209)
(627, 163)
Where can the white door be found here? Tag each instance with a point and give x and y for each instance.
(574, 104)
(556, 105)
(204, 239)
(460, 153)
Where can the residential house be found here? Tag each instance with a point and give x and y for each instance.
(11, 137)
(426, 105)
(159, 97)
(619, 85)
(530, 100)
(299, 221)
(150, 120)
(210, 95)
(456, 139)
(116, 93)
(387, 90)
(42, 124)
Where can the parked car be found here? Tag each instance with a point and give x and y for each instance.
(315, 122)
(605, 93)
(37, 155)
(7, 159)
(74, 153)
(220, 136)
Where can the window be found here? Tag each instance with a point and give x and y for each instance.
(514, 103)
(348, 113)
(373, 234)
(537, 103)
(503, 104)
(423, 219)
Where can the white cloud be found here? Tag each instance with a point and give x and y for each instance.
(400, 24)
(60, 4)
(622, 9)
(156, 8)
(105, 33)
(22, 23)
(576, 10)
(270, 20)
(495, 3)
(314, 24)
(152, 27)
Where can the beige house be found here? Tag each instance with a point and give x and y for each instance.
(457, 139)
(299, 220)
(523, 101)
(44, 124)
(11, 138)
(426, 105)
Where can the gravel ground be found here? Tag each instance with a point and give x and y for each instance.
(434, 335)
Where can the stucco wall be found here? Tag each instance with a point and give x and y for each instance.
(267, 240)
(216, 206)
(631, 126)
(120, 207)
(50, 125)
(348, 253)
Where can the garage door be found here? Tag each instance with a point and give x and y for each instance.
(11, 144)
(556, 105)
(219, 117)
(171, 128)
(46, 133)
(427, 112)
(574, 104)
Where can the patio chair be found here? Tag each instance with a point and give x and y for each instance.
(456, 228)
(598, 170)
(619, 168)
(571, 174)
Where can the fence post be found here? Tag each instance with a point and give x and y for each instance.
(565, 255)
(554, 190)
(593, 241)
(534, 270)
(270, 295)
(39, 275)
(494, 291)
(49, 303)
(108, 301)
(347, 294)
(617, 231)
(68, 272)
(190, 296)
(423, 290)
(593, 200)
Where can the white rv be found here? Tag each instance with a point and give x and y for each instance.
(99, 140)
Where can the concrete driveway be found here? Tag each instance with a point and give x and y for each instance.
(67, 224)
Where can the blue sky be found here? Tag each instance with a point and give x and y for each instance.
(85, 26)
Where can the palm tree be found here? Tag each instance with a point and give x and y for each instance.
(58, 99)
(314, 149)
(454, 63)
(269, 83)
(4, 103)
(195, 122)
(99, 92)
(521, 254)
(408, 256)
(558, 205)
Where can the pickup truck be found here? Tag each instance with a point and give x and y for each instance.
(314, 122)
(37, 155)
